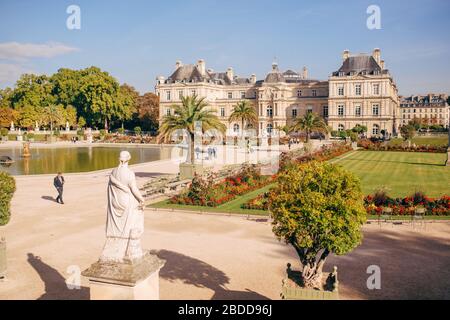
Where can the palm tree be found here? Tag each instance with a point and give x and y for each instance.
(309, 123)
(185, 116)
(245, 113)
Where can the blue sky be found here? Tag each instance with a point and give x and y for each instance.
(137, 40)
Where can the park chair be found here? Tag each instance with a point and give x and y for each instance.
(418, 218)
(385, 216)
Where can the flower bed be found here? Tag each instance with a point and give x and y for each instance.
(261, 202)
(406, 206)
(324, 154)
(378, 146)
(204, 192)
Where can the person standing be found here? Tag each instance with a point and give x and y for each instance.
(58, 182)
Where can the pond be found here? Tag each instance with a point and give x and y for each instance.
(45, 160)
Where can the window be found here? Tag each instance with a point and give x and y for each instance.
(314, 93)
(222, 112)
(168, 95)
(299, 93)
(341, 110)
(180, 94)
(294, 113)
(236, 128)
(242, 94)
(269, 128)
(325, 111)
(376, 89)
(269, 111)
(341, 127)
(341, 91)
(230, 95)
(358, 110)
(309, 109)
(376, 129)
(168, 112)
(358, 89)
(375, 110)
(194, 92)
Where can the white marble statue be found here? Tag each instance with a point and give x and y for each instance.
(12, 126)
(67, 126)
(36, 127)
(125, 217)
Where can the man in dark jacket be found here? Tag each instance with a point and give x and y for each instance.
(58, 182)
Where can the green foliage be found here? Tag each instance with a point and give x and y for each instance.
(342, 134)
(121, 130)
(4, 132)
(102, 133)
(408, 131)
(81, 122)
(318, 208)
(7, 189)
(56, 132)
(359, 129)
(353, 136)
(137, 131)
(245, 113)
(7, 115)
(310, 123)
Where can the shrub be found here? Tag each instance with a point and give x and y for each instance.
(7, 189)
(4, 132)
(317, 207)
(102, 132)
(56, 132)
(121, 130)
(80, 132)
(137, 131)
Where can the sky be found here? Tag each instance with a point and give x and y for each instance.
(135, 41)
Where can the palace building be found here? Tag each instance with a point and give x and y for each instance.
(360, 92)
(431, 109)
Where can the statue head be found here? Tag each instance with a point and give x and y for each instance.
(124, 157)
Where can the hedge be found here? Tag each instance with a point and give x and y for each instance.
(7, 189)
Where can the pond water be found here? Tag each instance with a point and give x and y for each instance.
(77, 159)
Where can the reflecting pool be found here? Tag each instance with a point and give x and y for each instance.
(46, 160)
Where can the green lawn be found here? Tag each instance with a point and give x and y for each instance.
(400, 173)
(233, 206)
(441, 140)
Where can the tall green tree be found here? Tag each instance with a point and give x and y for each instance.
(185, 116)
(317, 208)
(32, 90)
(7, 115)
(245, 113)
(309, 123)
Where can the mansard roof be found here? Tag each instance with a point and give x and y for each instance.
(191, 73)
(360, 64)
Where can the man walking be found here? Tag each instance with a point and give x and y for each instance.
(58, 182)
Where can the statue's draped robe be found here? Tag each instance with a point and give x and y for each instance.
(125, 221)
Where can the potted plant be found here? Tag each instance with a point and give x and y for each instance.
(8, 187)
(318, 208)
(30, 136)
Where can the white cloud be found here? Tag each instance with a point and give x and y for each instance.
(9, 73)
(24, 51)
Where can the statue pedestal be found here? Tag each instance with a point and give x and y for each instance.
(137, 280)
(448, 158)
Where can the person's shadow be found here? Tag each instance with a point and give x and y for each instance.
(48, 198)
(200, 274)
(55, 284)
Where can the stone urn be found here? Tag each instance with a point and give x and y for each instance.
(293, 290)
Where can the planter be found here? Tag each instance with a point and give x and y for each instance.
(19, 138)
(291, 290)
(2, 258)
(188, 170)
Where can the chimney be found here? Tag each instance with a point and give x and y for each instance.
(253, 78)
(230, 73)
(382, 64)
(345, 55)
(178, 64)
(305, 73)
(201, 66)
(274, 66)
(377, 55)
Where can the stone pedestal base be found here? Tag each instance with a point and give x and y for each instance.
(448, 157)
(134, 280)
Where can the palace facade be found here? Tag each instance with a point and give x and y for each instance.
(431, 109)
(360, 92)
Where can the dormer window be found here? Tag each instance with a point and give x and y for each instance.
(341, 73)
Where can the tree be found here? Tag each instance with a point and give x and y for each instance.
(126, 103)
(71, 115)
(147, 112)
(359, 129)
(317, 207)
(54, 115)
(310, 123)
(7, 115)
(408, 132)
(81, 122)
(185, 116)
(27, 116)
(32, 90)
(244, 112)
(137, 131)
